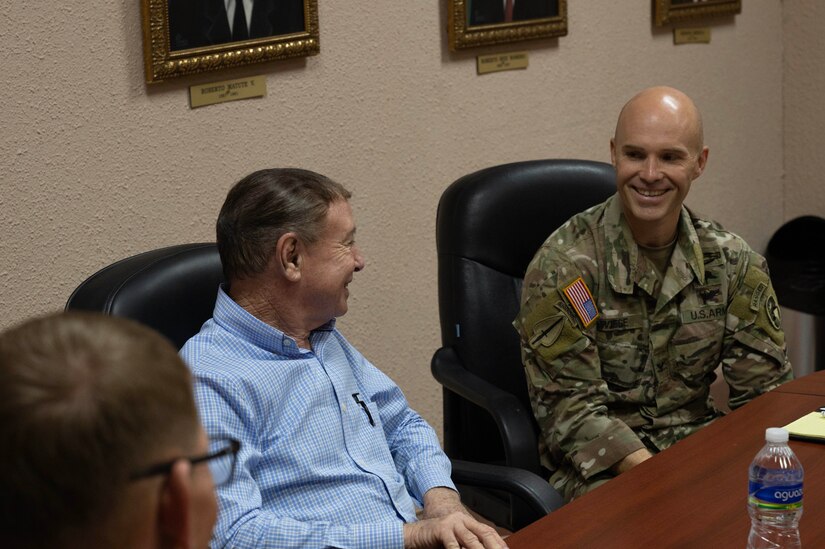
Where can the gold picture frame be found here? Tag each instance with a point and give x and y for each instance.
(668, 12)
(473, 23)
(191, 42)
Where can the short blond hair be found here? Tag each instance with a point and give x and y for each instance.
(85, 400)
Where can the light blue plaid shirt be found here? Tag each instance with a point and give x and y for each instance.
(313, 470)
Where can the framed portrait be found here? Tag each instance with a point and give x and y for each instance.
(473, 23)
(183, 37)
(677, 11)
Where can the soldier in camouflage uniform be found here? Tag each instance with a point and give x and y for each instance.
(628, 309)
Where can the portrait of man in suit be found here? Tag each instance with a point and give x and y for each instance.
(199, 23)
(488, 12)
(674, 11)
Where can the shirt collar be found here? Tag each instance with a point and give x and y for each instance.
(234, 318)
(623, 252)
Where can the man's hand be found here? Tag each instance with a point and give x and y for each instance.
(632, 460)
(454, 531)
(447, 523)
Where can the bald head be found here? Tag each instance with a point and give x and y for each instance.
(658, 151)
(663, 107)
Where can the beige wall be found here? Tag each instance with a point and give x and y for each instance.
(96, 166)
(804, 102)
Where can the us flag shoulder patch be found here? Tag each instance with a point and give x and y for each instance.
(582, 301)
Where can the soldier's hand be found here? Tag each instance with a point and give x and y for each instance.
(632, 460)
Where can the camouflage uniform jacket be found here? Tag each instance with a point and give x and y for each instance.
(638, 374)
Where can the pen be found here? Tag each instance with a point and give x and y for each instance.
(367, 410)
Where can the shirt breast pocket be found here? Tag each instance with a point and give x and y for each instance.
(622, 359)
(366, 441)
(695, 350)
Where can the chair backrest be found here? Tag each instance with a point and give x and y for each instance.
(489, 226)
(172, 289)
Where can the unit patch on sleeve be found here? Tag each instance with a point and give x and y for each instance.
(579, 296)
(772, 310)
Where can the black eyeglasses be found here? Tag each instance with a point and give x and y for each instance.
(221, 462)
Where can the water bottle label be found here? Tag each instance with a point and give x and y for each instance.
(775, 497)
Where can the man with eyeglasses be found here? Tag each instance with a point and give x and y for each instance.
(332, 455)
(101, 442)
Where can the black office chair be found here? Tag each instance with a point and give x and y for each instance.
(173, 290)
(489, 225)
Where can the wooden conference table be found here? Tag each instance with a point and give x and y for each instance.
(694, 494)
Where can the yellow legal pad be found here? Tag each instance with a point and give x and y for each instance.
(810, 426)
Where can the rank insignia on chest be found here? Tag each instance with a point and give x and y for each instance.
(579, 296)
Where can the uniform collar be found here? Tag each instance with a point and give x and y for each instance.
(623, 261)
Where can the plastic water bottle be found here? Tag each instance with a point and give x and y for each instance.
(775, 494)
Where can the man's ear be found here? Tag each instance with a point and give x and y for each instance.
(288, 252)
(701, 162)
(176, 506)
(613, 151)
